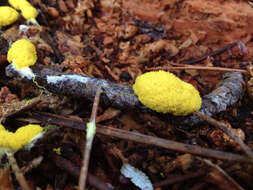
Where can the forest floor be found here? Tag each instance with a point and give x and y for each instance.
(117, 40)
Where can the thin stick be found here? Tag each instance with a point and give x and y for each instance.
(171, 145)
(18, 173)
(91, 130)
(222, 126)
(193, 67)
(137, 137)
(214, 53)
(32, 164)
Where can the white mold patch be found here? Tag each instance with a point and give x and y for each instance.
(23, 28)
(73, 77)
(25, 72)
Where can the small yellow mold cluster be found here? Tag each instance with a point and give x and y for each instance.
(20, 138)
(22, 54)
(8, 15)
(27, 10)
(164, 92)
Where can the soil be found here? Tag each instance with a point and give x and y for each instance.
(117, 40)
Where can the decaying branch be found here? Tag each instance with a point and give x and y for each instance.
(227, 93)
(122, 97)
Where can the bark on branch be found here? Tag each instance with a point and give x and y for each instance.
(122, 97)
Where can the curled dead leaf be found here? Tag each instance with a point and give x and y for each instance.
(5, 179)
(153, 49)
(250, 82)
(250, 88)
(250, 2)
(221, 139)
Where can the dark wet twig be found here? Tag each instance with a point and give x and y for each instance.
(16, 106)
(137, 137)
(179, 179)
(214, 53)
(75, 171)
(193, 67)
(32, 164)
(122, 97)
(226, 93)
(222, 126)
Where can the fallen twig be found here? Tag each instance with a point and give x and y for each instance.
(122, 97)
(91, 131)
(137, 137)
(227, 92)
(32, 164)
(214, 53)
(18, 173)
(193, 67)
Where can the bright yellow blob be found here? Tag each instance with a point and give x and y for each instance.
(57, 150)
(22, 54)
(29, 13)
(27, 10)
(20, 138)
(164, 92)
(17, 3)
(8, 15)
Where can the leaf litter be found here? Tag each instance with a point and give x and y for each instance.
(116, 40)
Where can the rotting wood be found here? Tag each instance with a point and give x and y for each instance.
(122, 97)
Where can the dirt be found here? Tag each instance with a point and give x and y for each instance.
(117, 40)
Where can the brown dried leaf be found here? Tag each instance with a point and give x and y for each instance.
(221, 139)
(250, 88)
(108, 114)
(6, 96)
(250, 82)
(49, 187)
(5, 180)
(129, 123)
(151, 49)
